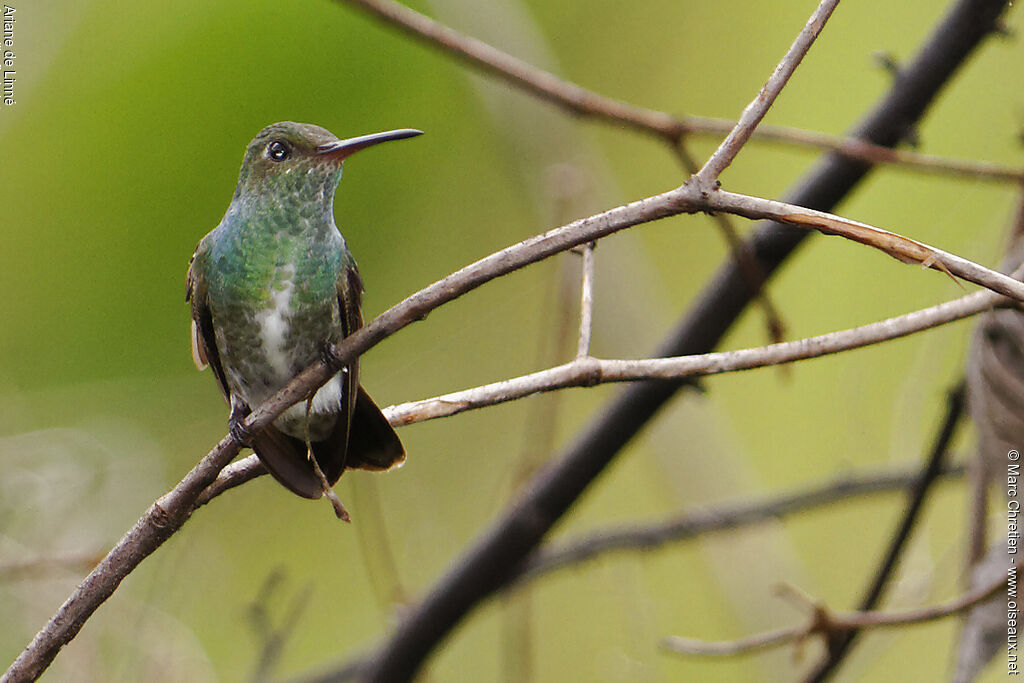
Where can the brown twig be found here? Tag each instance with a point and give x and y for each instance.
(519, 73)
(592, 371)
(827, 624)
(172, 510)
(861, 150)
(756, 110)
(588, 104)
(897, 246)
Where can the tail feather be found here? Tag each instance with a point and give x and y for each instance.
(369, 444)
(372, 443)
(285, 458)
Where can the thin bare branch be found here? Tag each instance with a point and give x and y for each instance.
(583, 374)
(588, 104)
(756, 110)
(235, 474)
(827, 624)
(897, 246)
(592, 371)
(172, 510)
(515, 71)
(862, 150)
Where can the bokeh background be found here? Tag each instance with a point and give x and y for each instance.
(123, 151)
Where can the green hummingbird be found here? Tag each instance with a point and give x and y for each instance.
(271, 288)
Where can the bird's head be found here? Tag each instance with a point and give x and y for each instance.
(302, 158)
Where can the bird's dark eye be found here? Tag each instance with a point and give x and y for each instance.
(277, 151)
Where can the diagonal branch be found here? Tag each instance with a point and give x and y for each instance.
(899, 247)
(519, 73)
(756, 110)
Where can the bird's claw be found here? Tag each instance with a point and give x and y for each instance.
(327, 355)
(240, 432)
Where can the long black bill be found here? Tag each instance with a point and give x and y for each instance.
(342, 149)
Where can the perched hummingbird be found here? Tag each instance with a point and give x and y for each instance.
(271, 287)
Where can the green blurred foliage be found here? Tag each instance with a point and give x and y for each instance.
(123, 151)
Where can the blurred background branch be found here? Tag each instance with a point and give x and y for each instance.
(726, 517)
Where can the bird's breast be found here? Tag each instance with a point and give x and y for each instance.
(274, 323)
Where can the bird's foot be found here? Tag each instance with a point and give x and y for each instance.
(327, 355)
(240, 432)
(237, 428)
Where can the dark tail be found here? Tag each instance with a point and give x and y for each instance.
(372, 443)
(369, 444)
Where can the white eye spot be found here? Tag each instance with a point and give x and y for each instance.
(277, 151)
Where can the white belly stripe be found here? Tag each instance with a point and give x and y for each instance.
(274, 323)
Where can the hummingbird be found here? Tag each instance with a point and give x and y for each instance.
(271, 288)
